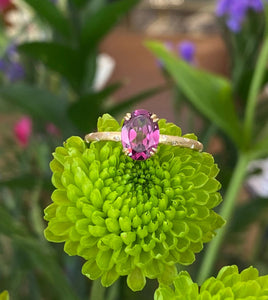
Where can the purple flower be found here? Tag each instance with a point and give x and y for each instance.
(256, 5)
(10, 67)
(3, 65)
(233, 24)
(236, 11)
(11, 50)
(187, 51)
(223, 7)
(15, 72)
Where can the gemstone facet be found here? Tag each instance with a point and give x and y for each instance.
(140, 135)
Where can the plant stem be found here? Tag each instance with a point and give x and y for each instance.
(97, 290)
(226, 212)
(256, 85)
(113, 291)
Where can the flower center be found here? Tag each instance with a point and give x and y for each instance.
(140, 135)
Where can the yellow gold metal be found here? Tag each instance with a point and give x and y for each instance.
(163, 139)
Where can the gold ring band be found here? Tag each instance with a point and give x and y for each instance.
(115, 136)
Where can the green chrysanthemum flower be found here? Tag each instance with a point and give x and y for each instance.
(228, 285)
(135, 218)
(4, 295)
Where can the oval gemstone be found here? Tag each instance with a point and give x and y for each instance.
(140, 135)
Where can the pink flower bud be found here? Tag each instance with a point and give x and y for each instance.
(23, 131)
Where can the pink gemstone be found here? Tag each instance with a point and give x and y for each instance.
(140, 135)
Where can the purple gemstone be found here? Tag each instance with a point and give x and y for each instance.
(140, 135)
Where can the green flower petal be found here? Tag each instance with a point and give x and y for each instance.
(109, 277)
(164, 293)
(4, 295)
(108, 123)
(91, 270)
(169, 128)
(136, 280)
(228, 285)
(135, 218)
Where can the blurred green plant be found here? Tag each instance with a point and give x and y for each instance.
(56, 86)
(215, 99)
(52, 81)
(65, 93)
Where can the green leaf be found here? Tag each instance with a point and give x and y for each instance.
(80, 3)
(48, 11)
(260, 148)
(39, 254)
(7, 224)
(261, 129)
(209, 93)
(38, 103)
(248, 43)
(126, 104)
(27, 181)
(59, 58)
(99, 24)
(84, 113)
(90, 71)
(92, 7)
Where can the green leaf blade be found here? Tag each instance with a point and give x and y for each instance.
(50, 108)
(59, 58)
(99, 24)
(85, 112)
(209, 93)
(49, 12)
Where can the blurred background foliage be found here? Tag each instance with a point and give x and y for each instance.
(50, 79)
(48, 82)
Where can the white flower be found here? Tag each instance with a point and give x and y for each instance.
(258, 183)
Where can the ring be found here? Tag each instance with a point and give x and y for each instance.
(140, 136)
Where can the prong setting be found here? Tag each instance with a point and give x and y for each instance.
(127, 116)
(153, 151)
(154, 118)
(127, 152)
